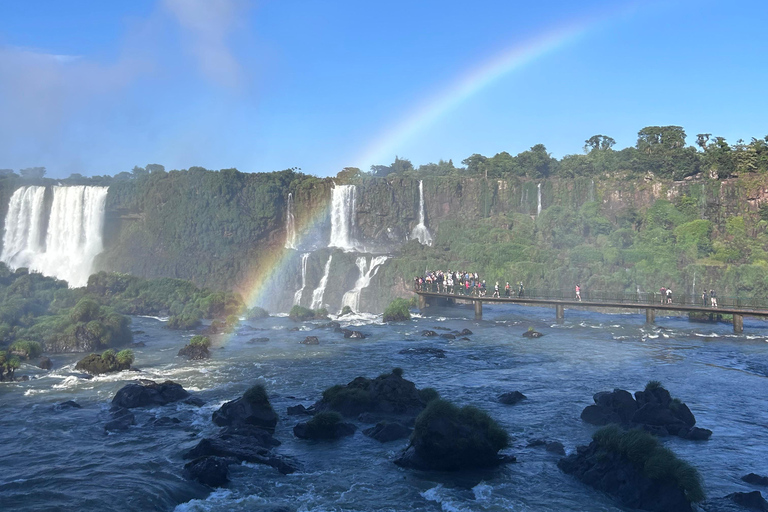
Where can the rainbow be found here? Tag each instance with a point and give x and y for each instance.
(262, 276)
(469, 84)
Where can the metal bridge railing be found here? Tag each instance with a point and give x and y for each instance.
(649, 298)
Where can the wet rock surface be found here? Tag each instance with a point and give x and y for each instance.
(511, 398)
(146, 393)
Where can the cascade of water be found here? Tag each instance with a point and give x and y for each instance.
(420, 232)
(22, 239)
(591, 191)
(693, 288)
(300, 291)
(73, 238)
(317, 295)
(538, 194)
(290, 225)
(352, 297)
(342, 217)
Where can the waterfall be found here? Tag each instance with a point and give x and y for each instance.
(538, 198)
(342, 217)
(352, 297)
(591, 191)
(290, 225)
(317, 295)
(73, 237)
(420, 232)
(300, 291)
(693, 288)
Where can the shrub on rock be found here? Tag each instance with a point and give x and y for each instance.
(346, 310)
(635, 468)
(397, 311)
(26, 349)
(256, 313)
(107, 362)
(197, 348)
(324, 425)
(253, 408)
(449, 438)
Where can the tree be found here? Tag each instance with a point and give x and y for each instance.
(476, 164)
(152, 168)
(654, 139)
(702, 139)
(32, 172)
(536, 162)
(348, 174)
(6, 172)
(380, 171)
(598, 142)
(139, 171)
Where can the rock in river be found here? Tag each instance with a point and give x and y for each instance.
(147, 393)
(253, 408)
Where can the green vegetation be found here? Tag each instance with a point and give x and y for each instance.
(8, 365)
(200, 341)
(469, 416)
(346, 310)
(257, 395)
(107, 362)
(256, 313)
(26, 349)
(397, 311)
(301, 314)
(653, 385)
(652, 458)
(323, 425)
(339, 396)
(428, 394)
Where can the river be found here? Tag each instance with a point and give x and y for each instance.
(63, 460)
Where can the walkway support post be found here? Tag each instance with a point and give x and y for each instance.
(650, 315)
(422, 302)
(559, 312)
(478, 309)
(738, 323)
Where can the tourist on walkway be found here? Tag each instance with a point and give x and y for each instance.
(506, 290)
(520, 290)
(663, 292)
(496, 290)
(712, 298)
(704, 298)
(669, 296)
(578, 293)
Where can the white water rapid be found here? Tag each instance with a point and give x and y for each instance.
(420, 232)
(317, 295)
(538, 199)
(352, 297)
(290, 225)
(342, 217)
(300, 291)
(73, 237)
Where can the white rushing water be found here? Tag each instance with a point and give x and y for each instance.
(342, 217)
(420, 232)
(300, 291)
(317, 295)
(73, 236)
(352, 297)
(290, 225)
(538, 199)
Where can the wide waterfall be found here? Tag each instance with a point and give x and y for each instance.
(290, 225)
(352, 297)
(73, 236)
(420, 232)
(342, 217)
(317, 295)
(538, 199)
(300, 291)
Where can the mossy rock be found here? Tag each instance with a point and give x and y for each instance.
(397, 311)
(324, 425)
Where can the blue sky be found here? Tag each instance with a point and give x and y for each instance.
(97, 87)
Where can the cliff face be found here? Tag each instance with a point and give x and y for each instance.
(226, 230)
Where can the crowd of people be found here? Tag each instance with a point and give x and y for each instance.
(462, 283)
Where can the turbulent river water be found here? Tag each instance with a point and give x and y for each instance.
(63, 460)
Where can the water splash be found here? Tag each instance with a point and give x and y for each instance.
(290, 225)
(300, 291)
(352, 297)
(420, 232)
(73, 236)
(317, 295)
(342, 217)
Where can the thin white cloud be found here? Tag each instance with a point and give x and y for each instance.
(209, 24)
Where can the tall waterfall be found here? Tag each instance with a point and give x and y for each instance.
(352, 297)
(317, 295)
(300, 291)
(290, 225)
(73, 237)
(342, 217)
(538, 199)
(420, 232)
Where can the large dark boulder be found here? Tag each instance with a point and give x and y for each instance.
(448, 438)
(530, 333)
(654, 410)
(755, 479)
(243, 443)
(428, 333)
(45, 363)
(122, 419)
(750, 500)
(388, 394)
(310, 340)
(511, 398)
(324, 425)
(300, 410)
(195, 352)
(97, 364)
(385, 431)
(146, 393)
(211, 471)
(253, 408)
